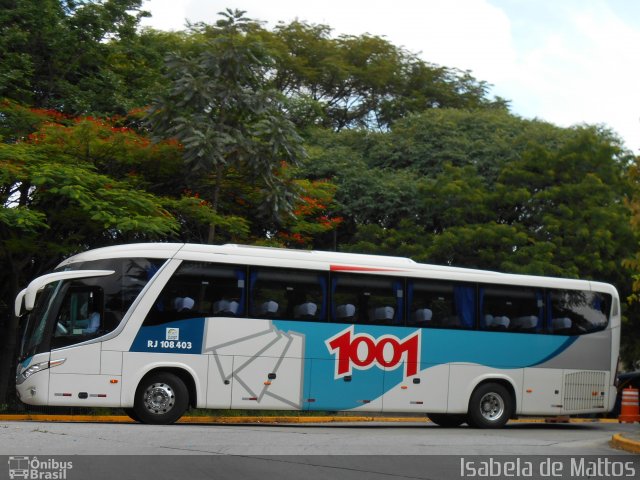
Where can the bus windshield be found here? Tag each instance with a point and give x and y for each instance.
(34, 328)
(68, 312)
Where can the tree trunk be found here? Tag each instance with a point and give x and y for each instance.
(216, 200)
(9, 337)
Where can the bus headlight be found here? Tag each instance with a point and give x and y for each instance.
(38, 367)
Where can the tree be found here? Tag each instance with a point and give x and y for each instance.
(575, 202)
(363, 81)
(221, 108)
(55, 201)
(55, 54)
(631, 348)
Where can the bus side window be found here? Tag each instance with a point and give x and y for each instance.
(576, 312)
(200, 289)
(512, 309)
(369, 299)
(441, 304)
(287, 294)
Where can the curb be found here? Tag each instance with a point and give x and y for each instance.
(260, 419)
(620, 442)
(208, 419)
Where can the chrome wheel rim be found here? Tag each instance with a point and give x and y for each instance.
(159, 398)
(491, 406)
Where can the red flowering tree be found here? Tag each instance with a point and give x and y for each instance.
(313, 214)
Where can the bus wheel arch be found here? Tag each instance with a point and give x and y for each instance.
(163, 395)
(492, 403)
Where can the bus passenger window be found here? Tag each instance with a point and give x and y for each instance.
(512, 309)
(287, 294)
(200, 289)
(370, 299)
(441, 304)
(575, 312)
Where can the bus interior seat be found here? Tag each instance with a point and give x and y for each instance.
(561, 325)
(305, 310)
(382, 314)
(183, 304)
(527, 323)
(226, 307)
(497, 323)
(346, 311)
(269, 308)
(423, 315)
(177, 303)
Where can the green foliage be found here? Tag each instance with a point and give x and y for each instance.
(223, 112)
(55, 54)
(362, 81)
(490, 192)
(76, 201)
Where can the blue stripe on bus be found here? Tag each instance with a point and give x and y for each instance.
(492, 349)
(180, 336)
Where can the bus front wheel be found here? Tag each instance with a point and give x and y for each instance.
(161, 399)
(490, 406)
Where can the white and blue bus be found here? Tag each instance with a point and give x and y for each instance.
(158, 328)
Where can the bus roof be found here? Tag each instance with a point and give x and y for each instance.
(336, 261)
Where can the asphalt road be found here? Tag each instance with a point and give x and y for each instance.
(304, 452)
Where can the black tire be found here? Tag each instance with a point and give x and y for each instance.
(161, 399)
(490, 406)
(446, 420)
(131, 413)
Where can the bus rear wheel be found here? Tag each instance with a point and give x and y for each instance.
(490, 406)
(161, 399)
(447, 420)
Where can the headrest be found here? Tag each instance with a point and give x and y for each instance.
(225, 306)
(188, 303)
(382, 314)
(501, 321)
(561, 323)
(527, 322)
(345, 311)
(423, 315)
(269, 308)
(182, 304)
(308, 309)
